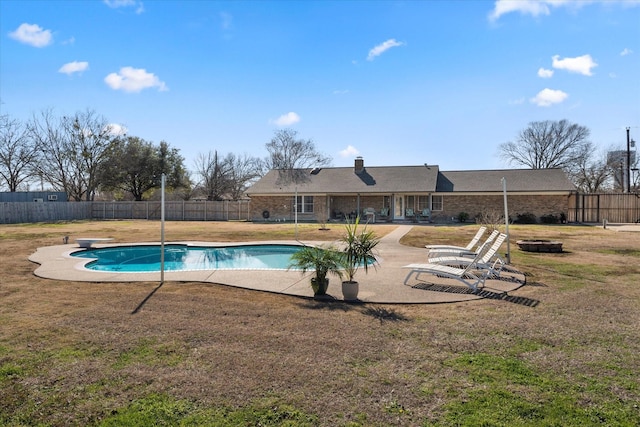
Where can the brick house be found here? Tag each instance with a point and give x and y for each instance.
(406, 193)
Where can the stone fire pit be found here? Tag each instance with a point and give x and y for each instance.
(539, 245)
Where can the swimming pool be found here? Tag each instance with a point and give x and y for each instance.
(146, 258)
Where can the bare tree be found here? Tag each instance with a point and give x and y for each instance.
(213, 172)
(290, 156)
(244, 171)
(73, 148)
(591, 175)
(18, 153)
(548, 144)
(53, 164)
(228, 176)
(89, 137)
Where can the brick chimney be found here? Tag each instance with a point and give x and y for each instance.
(359, 165)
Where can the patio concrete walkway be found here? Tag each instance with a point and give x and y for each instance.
(385, 284)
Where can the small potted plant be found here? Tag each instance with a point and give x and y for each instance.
(322, 260)
(358, 252)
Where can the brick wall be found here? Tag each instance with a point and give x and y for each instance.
(281, 207)
(474, 205)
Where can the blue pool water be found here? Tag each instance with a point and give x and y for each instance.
(146, 258)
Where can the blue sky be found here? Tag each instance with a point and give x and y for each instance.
(398, 83)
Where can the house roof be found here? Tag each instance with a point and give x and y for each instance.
(518, 180)
(385, 179)
(409, 179)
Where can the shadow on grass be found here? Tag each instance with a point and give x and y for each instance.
(380, 313)
(483, 293)
(147, 298)
(328, 303)
(384, 314)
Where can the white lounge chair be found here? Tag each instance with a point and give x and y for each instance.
(469, 275)
(469, 246)
(433, 253)
(488, 259)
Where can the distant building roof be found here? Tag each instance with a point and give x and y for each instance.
(31, 196)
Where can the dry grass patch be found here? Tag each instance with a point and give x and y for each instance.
(75, 354)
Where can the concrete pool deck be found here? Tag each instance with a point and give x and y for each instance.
(385, 284)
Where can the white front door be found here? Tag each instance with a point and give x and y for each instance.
(398, 207)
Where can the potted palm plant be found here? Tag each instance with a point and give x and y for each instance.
(358, 253)
(322, 260)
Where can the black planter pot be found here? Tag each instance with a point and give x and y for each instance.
(319, 287)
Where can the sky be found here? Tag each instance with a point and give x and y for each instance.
(396, 82)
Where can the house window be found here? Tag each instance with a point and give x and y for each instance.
(410, 202)
(437, 203)
(386, 202)
(417, 203)
(304, 204)
(423, 203)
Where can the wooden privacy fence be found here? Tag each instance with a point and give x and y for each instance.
(25, 212)
(225, 210)
(615, 208)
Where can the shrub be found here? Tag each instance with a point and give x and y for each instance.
(549, 219)
(492, 219)
(463, 217)
(525, 218)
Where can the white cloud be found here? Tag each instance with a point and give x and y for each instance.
(341, 91)
(518, 101)
(115, 4)
(383, 47)
(543, 7)
(131, 79)
(116, 129)
(544, 73)
(580, 64)
(287, 119)
(626, 52)
(525, 7)
(350, 151)
(548, 97)
(32, 34)
(73, 67)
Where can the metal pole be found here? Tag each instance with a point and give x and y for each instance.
(628, 162)
(162, 231)
(506, 219)
(295, 211)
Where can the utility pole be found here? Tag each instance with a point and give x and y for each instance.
(628, 162)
